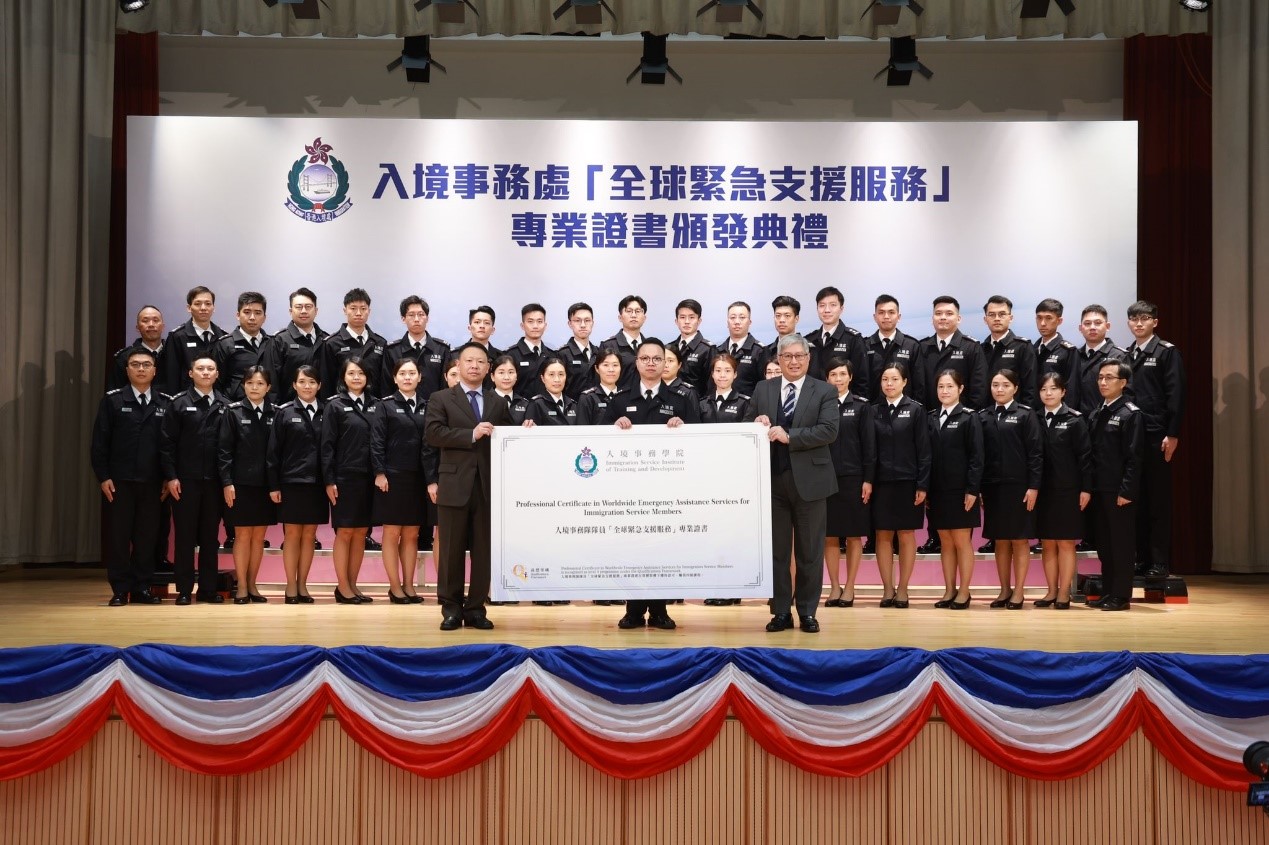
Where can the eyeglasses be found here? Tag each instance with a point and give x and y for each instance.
(793, 356)
(1111, 378)
(141, 365)
(997, 315)
(632, 311)
(644, 359)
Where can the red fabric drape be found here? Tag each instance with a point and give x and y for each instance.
(1168, 91)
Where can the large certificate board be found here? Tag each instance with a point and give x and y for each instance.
(595, 512)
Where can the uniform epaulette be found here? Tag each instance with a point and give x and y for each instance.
(852, 330)
(290, 404)
(113, 392)
(1073, 412)
(439, 340)
(1066, 344)
(1165, 343)
(120, 351)
(743, 396)
(1027, 341)
(1130, 406)
(237, 404)
(589, 390)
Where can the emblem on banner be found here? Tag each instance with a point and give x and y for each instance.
(318, 183)
(586, 464)
(520, 572)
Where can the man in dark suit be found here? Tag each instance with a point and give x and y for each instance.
(459, 421)
(802, 417)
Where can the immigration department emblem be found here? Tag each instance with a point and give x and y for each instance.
(318, 183)
(586, 464)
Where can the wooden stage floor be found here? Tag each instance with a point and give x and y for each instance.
(1225, 615)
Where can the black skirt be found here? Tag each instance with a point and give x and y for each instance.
(353, 507)
(405, 503)
(1058, 515)
(1005, 514)
(304, 504)
(848, 516)
(892, 507)
(252, 507)
(947, 511)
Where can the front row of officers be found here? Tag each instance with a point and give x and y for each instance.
(357, 461)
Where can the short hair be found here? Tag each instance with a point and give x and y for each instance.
(1059, 380)
(301, 292)
(1095, 309)
(195, 291)
(899, 367)
(883, 299)
(471, 344)
(603, 355)
(349, 361)
(957, 378)
(998, 299)
(946, 299)
(252, 297)
(143, 351)
(548, 360)
(784, 301)
(482, 309)
(825, 293)
(725, 357)
(740, 303)
(626, 300)
(412, 300)
(1143, 308)
(144, 307)
(307, 370)
(356, 295)
(257, 370)
(531, 308)
(672, 350)
(1122, 370)
(1050, 305)
(579, 306)
(690, 304)
(206, 356)
(838, 361)
(503, 359)
(401, 362)
(1007, 373)
(790, 340)
(653, 341)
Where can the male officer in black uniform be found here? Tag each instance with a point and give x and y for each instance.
(294, 346)
(1053, 353)
(632, 311)
(1118, 435)
(579, 353)
(649, 402)
(427, 351)
(948, 349)
(1158, 389)
(125, 459)
(695, 352)
(353, 338)
(835, 339)
(529, 350)
(887, 345)
(191, 339)
(150, 335)
(1006, 351)
(786, 312)
(1097, 349)
(243, 347)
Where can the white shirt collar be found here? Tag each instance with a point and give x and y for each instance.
(631, 338)
(784, 384)
(136, 394)
(644, 388)
(889, 337)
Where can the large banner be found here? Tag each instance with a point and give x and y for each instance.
(469, 212)
(595, 512)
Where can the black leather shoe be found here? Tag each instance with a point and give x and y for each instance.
(242, 599)
(544, 603)
(1013, 605)
(118, 600)
(714, 602)
(627, 622)
(1156, 571)
(340, 598)
(365, 599)
(931, 546)
(988, 548)
(870, 547)
(413, 598)
(900, 604)
(665, 623)
(209, 598)
(996, 604)
(291, 599)
(229, 544)
(809, 624)
(1062, 605)
(480, 623)
(451, 623)
(887, 602)
(305, 599)
(961, 605)
(145, 597)
(943, 604)
(1116, 603)
(317, 545)
(256, 598)
(1098, 602)
(1042, 603)
(184, 600)
(561, 602)
(780, 622)
(1085, 546)
(373, 545)
(395, 599)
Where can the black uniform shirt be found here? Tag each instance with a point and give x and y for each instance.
(295, 445)
(243, 451)
(339, 347)
(345, 443)
(1013, 442)
(1158, 387)
(958, 450)
(1118, 437)
(125, 441)
(190, 438)
(287, 351)
(855, 449)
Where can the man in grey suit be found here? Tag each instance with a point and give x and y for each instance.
(801, 414)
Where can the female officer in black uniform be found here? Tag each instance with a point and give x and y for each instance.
(592, 405)
(903, 477)
(855, 459)
(956, 436)
(405, 479)
(503, 374)
(723, 405)
(551, 406)
(673, 364)
(1065, 490)
(295, 480)
(1013, 445)
(345, 450)
(243, 455)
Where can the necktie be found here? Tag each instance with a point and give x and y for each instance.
(1000, 411)
(1048, 419)
(142, 401)
(790, 400)
(1136, 353)
(357, 403)
(682, 345)
(311, 411)
(942, 345)
(409, 404)
(943, 419)
(560, 405)
(894, 410)
(418, 347)
(634, 344)
(720, 398)
(306, 340)
(828, 338)
(535, 351)
(203, 403)
(1088, 353)
(735, 348)
(357, 341)
(988, 345)
(473, 398)
(885, 344)
(1039, 347)
(586, 354)
(255, 343)
(207, 337)
(647, 394)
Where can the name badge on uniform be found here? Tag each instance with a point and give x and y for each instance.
(295, 346)
(344, 348)
(191, 410)
(400, 410)
(572, 412)
(1150, 362)
(576, 363)
(903, 353)
(1052, 359)
(1011, 420)
(158, 412)
(665, 409)
(904, 414)
(524, 363)
(951, 426)
(296, 420)
(1062, 426)
(957, 353)
(552, 414)
(730, 410)
(1113, 421)
(125, 409)
(848, 412)
(191, 343)
(631, 408)
(347, 409)
(246, 422)
(378, 350)
(1008, 353)
(435, 359)
(746, 359)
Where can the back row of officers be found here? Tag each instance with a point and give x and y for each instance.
(233, 420)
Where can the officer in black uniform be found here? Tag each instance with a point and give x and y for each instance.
(529, 351)
(480, 327)
(295, 480)
(188, 447)
(887, 345)
(191, 339)
(694, 351)
(579, 353)
(592, 405)
(744, 347)
(294, 346)
(786, 312)
(550, 405)
(1118, 435)
(150, 335)
(1097, 349)
(354, 339)
(833, 339)
(1054, 353)
(242, 348)
(632, 311)
(1158, 389)
(649, 402)
(1004, 350)
(125, 459)
(948, 349)
(428, 351)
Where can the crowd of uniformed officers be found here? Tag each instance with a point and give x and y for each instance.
(1068, 443)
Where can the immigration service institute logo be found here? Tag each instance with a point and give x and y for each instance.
(586, 464)
(318, 183)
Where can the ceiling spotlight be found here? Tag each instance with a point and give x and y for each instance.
(886, 12)
(301, 9)
(1197, 5)
(1040, 8)
(903, 60)
(730, 11)
(417, 59)
(129, 6)
(586, 11)
(447, 11)
(654, 64)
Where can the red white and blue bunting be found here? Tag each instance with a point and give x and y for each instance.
(634, 713)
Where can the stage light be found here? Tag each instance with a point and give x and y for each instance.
(1197, 5)
(447, 11)
(654, 64)
(304, 10)
(586, 11)
(1040, 8)
(730, 11)
(416, 58)
(129, 6)
(886, 12)
(903, 60)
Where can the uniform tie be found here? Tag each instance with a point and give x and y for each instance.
(357, 341)
(311, 411)
(828, 338)
(885, 344)
(142, 400)
(409, 404)
(942, 345)
(586, 354)
(943, 419)
(559, 403)
(418, 347)
(202, 403)
(207, 337)
(358, 404)
(1048, 419)
(790, 401)
(260, 414)
(255, 343)
(647, 394)
(894, 410)
(735, 349)
(534, 350)
(306, 340)
(1136, 353)
(634, 344)
(1000, 411)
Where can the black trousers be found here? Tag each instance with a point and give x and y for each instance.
(196, 517)
(1114, 531)
(797, 527)
(463, 528)
(1154, 509)
(133, 521)
(656, 607)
